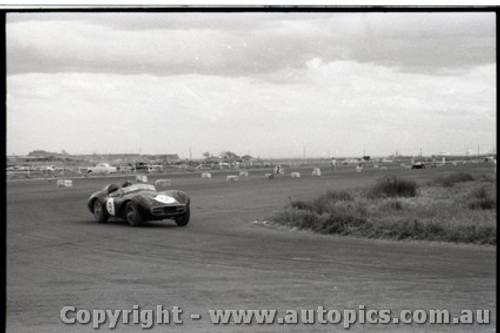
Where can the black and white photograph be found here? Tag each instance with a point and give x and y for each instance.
(251, 169)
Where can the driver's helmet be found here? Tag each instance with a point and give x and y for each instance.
(126, 183)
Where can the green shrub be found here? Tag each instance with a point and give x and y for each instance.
(301, 205)
(457, 177)
(481, 199)
(342, 222)
(323, 203)
(392, 186)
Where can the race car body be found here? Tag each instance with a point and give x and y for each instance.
(138, 203)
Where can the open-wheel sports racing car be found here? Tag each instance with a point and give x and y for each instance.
(138, 203)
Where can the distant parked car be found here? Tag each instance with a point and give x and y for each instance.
(125, 168)
(138, 203)
(156, 167)
(418, 165)
(143, 167)
(102, 168)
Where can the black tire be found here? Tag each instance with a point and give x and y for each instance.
(133, 214)
(99, 211)
(183, 220)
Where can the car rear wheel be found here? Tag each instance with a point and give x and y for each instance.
(133, 214)
(183, 220)
(99, 211)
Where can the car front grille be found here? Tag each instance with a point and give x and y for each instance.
(167, 210)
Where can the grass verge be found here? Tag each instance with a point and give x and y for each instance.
(395, 208)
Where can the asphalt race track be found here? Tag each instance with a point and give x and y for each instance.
(57, 256)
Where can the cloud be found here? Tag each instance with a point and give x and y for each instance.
(269, 83)
(245, 44)
(338, 106)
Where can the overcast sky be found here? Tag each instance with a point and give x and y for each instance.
(264, 84)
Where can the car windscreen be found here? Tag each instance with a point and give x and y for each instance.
(138, 187)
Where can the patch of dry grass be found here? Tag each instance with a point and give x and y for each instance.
(457, 177)
(463, 213)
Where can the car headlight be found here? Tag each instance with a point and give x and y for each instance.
(165, 199)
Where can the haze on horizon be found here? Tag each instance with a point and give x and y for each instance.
(264, 84)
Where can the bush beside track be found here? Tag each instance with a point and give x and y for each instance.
(455, 209)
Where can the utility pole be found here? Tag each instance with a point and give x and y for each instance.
(190, 154)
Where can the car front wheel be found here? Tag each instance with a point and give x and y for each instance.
(183, 220)
(133, 215)
(100, 213)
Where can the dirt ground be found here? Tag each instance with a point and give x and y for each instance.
(57, 256)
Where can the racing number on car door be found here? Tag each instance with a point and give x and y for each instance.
(110, 206)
